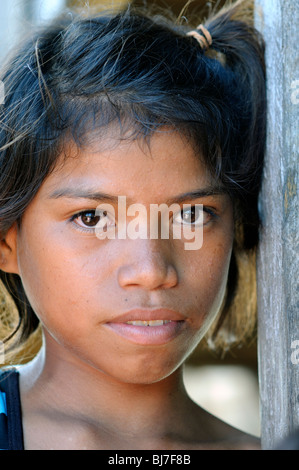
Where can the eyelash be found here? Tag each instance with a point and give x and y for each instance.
(206, 209)
(80, 214)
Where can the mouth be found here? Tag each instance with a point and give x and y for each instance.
(148, 327)
(148, 322)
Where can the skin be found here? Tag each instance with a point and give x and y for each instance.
(93, 388)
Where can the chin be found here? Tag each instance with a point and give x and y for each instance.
(144, 374)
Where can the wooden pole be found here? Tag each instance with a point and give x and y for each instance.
(277, 267)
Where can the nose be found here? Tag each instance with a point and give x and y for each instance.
(148, 265)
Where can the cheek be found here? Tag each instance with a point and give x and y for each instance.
(50, 274)
(208, 276)
(66, 283)
(217, 265)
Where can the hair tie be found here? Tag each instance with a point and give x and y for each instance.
(204, 37)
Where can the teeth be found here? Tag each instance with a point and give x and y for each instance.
(148, 323)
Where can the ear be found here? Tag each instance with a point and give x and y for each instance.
(8, 251)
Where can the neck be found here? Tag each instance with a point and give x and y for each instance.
(143, 411)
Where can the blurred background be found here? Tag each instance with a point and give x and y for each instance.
(226, 386)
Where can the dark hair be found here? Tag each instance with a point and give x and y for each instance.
(145, 73)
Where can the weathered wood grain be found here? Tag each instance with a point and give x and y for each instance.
(278, 267)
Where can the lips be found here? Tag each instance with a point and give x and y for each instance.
(148, 323)
(148, 327)
(149, 315)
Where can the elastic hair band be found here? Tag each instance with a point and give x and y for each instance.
(204, 37)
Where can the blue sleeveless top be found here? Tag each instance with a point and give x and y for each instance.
(11, 430)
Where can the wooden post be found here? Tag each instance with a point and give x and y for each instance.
(278, 270)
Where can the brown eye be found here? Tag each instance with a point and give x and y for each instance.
(89, 219)
(189, 216)
(195, 215)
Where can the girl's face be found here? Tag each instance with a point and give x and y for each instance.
(86, 288)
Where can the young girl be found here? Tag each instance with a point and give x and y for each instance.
(125, 107)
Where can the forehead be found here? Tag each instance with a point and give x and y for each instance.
(165, 159)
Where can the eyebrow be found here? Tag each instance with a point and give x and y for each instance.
(197, 194)
(73, 193)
